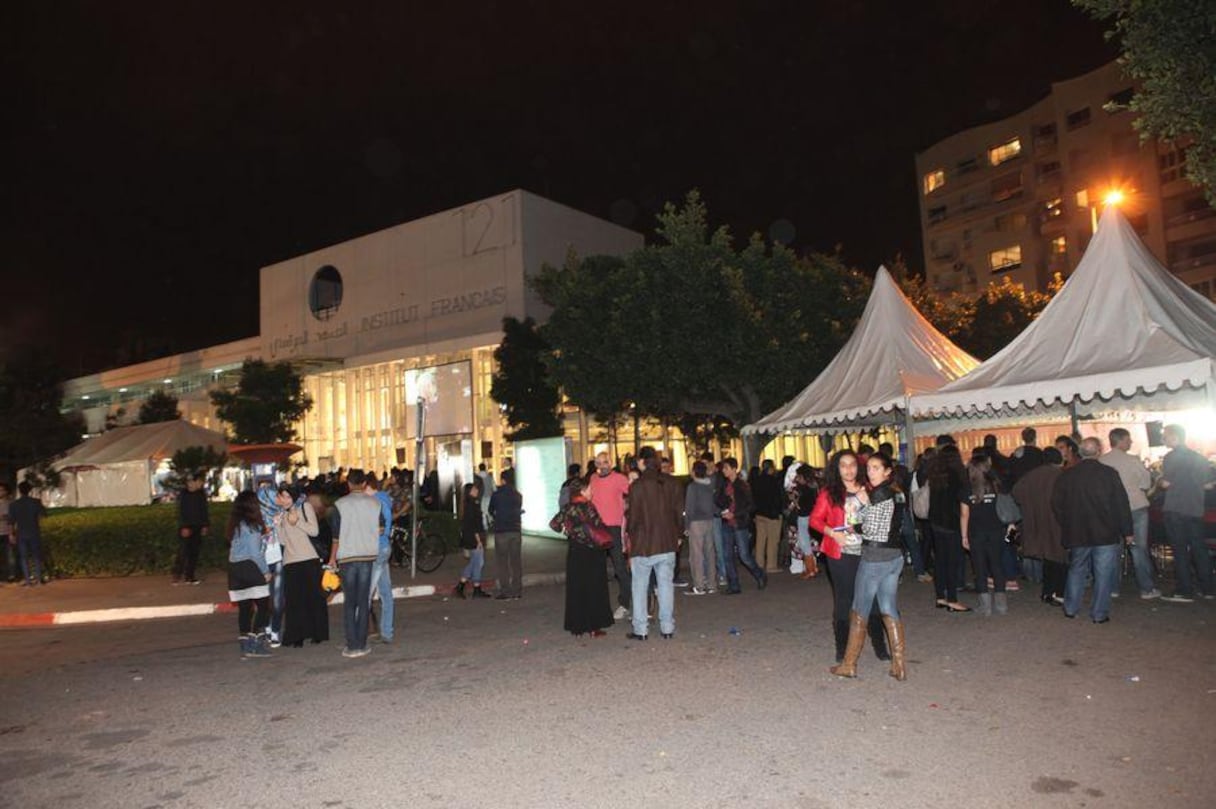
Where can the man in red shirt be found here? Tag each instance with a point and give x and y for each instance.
(607, 491)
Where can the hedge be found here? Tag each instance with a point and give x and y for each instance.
(124, 540)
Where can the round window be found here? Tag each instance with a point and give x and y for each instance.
(325, 293)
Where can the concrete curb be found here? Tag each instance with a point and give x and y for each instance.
(40, 619)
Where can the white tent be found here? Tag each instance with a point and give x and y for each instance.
(1123, 333)
(892, 354)
(118, 467)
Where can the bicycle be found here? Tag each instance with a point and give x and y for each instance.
(431, 548)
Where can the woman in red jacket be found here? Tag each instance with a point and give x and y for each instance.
(838, 506)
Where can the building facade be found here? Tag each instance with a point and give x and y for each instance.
(1019, 198)
(375, 322)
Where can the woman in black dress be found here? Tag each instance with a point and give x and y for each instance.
(588, 608)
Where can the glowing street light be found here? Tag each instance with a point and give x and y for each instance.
(1113, 197)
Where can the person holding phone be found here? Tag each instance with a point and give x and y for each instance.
(836, 514)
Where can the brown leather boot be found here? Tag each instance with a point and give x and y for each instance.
(895, 639)
(812, 567)
(852, 651)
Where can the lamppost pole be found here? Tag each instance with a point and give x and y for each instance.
(419, 474)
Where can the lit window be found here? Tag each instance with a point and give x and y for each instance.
(1053, 208)
(1007, 258)
(1059, 246)
(934, 180)
(1004, 152)
(1083, 198)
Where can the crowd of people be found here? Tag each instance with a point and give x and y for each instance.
(1061, 515)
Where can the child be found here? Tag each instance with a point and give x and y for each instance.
(249, 575)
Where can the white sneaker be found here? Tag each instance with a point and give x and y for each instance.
(695, 591)
(621, 613)
(1151, 594)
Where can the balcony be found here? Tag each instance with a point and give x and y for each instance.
(1194, 262)
(1187, 217)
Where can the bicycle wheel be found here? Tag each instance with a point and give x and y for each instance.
(431, 552)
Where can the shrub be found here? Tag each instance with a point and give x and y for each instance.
(125, 540)
(122, 540)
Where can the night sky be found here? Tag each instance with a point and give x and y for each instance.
(157, 154)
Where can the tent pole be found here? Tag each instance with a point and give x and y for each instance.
(909, 433)
(1074, 422)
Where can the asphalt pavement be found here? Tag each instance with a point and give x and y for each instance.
(491, 702)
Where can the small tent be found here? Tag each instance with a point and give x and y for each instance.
(118, 467)
(1123, 334)
(893, 353)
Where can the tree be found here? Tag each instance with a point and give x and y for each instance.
(160, 406)
(190, 461)
(522, 384)
(33, 428)
(691, 327)
(1170, 50)
(981, 325)
(266, 403)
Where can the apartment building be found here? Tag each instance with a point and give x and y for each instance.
(1020, 197)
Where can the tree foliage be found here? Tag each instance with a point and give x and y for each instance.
(159, 406)
(691, 326)
(267, 401)
(980, 325)
(522, 384)
(1169, 48)
(32, 427)
(189, 461)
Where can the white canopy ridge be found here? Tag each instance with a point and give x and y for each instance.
(893, 353)
(1123, 329)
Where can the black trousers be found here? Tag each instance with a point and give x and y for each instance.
(253, 614)
(1055, 575)
(620, 567)
(947, 562)
(187, 552)
(986, 556)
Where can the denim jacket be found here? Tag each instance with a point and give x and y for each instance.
(247, 544)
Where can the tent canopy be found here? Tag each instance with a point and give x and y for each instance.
(1123, 330)
(893, 353)
(143, 442)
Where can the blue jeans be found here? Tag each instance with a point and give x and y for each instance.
(912, 544)
(383, 585)
(1142, 563)
(1186, 539)
(30, 550)
(472, 569)
(276, 599)
(664, 567)
(720, 554)
(877, 581)
(736, 542)
(804, 536)
(356, 596)
(1103, 562)
(1009, 560)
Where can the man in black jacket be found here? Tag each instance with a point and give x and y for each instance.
(770, 502)
(1091, 506)
(737, 508)
(193, 523)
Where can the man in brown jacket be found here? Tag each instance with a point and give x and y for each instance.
(1040, 531)
(655, 522)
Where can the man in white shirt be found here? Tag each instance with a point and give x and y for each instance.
(1137, 481)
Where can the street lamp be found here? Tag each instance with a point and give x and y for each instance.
(1112, 197)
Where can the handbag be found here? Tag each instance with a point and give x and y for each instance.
(920, 503)
(1007, 510)
(601, 536)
